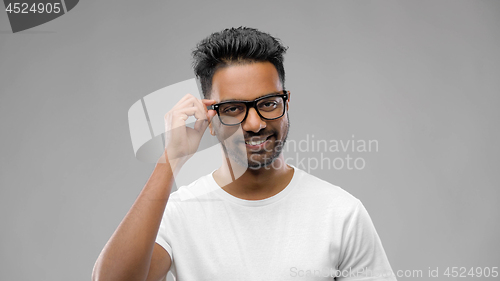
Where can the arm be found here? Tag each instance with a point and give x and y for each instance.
(131, 253)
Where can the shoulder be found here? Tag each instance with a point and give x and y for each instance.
(312, 188)
(200, 189)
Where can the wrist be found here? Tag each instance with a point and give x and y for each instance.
(173, 164)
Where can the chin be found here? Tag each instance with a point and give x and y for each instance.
(257, 166)
(266, 163)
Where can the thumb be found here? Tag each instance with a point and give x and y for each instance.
(201, 125)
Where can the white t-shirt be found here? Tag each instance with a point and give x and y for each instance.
(311, 230)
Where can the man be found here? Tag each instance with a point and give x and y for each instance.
(255, 217)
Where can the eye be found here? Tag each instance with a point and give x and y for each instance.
(268, 105)
(232, 109)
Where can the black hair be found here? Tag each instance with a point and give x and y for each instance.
(232, 46)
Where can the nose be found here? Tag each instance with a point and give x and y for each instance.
(253, 122)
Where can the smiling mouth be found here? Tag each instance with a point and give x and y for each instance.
(256, 141)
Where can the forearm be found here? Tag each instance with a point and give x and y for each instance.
(127, 255)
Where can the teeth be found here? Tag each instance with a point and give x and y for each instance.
(255, 142)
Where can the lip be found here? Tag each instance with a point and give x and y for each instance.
(259, 146)
(255, 139)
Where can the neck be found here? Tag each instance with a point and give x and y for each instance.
(253, 184)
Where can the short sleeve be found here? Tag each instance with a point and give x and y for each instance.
(163, 237)
(362, 255)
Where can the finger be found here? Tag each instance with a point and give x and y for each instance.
(186, 112)
(180, 116)
(201, 125)
(210, 113)
(202, 111)
(191, 101)
(186, 101)
(208, 102)
(182, 101)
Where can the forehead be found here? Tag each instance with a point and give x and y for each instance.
(245, 81)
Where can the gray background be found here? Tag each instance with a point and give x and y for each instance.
(421, 77)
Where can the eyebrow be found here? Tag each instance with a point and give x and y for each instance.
(266, 95)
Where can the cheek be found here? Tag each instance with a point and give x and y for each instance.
(228, 132)
(284, 126)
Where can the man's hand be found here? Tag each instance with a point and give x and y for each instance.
(144, 259)
(181, 142)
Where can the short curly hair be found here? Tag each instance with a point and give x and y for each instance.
(233, 46)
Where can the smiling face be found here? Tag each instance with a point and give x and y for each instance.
(256, 142)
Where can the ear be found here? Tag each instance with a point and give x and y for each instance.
(288, 100)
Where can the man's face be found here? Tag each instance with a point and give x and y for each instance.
(247, 82)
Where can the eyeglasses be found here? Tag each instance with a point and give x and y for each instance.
(268, 107)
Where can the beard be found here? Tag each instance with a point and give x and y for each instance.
(232, 148)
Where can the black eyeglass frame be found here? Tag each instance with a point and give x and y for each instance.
(251, 104)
